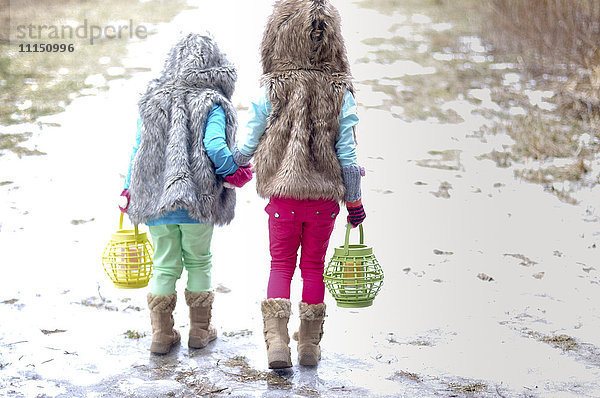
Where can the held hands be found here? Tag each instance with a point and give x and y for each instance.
(240, 177)
(356, 213)
(124, 201)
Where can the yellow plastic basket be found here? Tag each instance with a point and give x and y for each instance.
(127, 258)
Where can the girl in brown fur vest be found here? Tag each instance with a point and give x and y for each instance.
(301, 134)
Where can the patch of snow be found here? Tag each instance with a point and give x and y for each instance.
(461, 107)
(115, 71)
(96, 80)
(473, 43)
(367, 97)
(478, 58)
(517, 111)
(484, 95)
(88, 91)
(405, 32)
(393, 82)
(397, 110)
(24, 105)
(440, 27)
(536, 98)
(511, 78)
(585, 139)
(442, 56)
(420, 19)
(400, 19)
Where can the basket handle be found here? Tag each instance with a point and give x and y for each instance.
(121, 224)
(362, 237)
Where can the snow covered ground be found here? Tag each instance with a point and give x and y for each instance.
(491, 284)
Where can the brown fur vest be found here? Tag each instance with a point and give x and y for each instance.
(306, 74)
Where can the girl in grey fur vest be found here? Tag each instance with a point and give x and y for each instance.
(180, 180)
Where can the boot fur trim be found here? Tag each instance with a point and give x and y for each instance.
(199, 299)
(276, 308)
(162, 303)
(312, 312)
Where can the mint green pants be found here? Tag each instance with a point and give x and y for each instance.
(177, 246)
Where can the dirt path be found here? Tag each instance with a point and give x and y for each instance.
(491, 285)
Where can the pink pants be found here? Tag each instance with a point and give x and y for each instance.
(294, 223)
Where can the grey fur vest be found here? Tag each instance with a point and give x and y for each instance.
(171, 169)
(306, 74)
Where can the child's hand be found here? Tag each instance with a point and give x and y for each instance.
(124, 201)
(356, 213)
(240, 177)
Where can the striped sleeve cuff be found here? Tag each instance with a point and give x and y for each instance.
(239, 158)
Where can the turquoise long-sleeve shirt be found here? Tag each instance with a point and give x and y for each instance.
(216, 148)
(215, 143)
(345, 146)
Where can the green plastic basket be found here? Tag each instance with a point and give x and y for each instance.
(353, 276)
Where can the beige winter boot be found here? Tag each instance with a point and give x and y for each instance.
(161, 316)
(310, 333)
(276, 314)
(201, 331)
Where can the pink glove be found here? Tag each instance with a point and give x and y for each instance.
(124, 201)
(356, 213)
(240, 177)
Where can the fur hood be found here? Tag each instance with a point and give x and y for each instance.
(304, 34)
(196, 61)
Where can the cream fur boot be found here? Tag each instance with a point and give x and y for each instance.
(201, 331)
(312, 317)
(164, 337)
(276, 314)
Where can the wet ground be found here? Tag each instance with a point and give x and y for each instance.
(492, 284)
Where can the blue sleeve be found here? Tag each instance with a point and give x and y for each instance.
(215, 143)
(258, 114)
(138, 137)
(345, 146)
